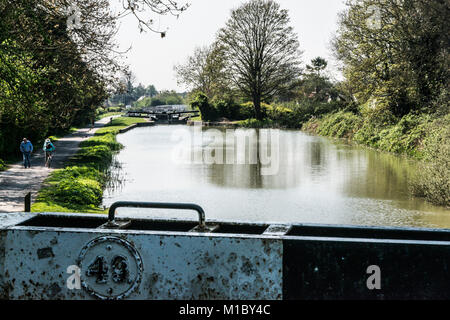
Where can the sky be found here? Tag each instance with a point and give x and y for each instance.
(152, 58)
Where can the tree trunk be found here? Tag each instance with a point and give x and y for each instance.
(257, 104)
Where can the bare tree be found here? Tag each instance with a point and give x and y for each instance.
(204, 70)
(158, 7)
(261, 50)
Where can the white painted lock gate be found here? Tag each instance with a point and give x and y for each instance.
(79, 256)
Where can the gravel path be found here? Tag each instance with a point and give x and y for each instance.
(17, 181)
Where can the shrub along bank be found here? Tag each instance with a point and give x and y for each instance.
(288, 115)
(420, 136)
(423, 136)
(79, 187)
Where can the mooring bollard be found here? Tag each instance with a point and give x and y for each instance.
(28, 202)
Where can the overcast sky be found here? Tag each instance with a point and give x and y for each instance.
(152, 58)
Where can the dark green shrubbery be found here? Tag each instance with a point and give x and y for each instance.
(382, 130)
(78, 192)
(433, 178)
(247, 111)
(114, 109)
(406, 135)
(208, 111)
(340, 125)
(227, 109)
(282, 116)
(219, 109)
(256, 124)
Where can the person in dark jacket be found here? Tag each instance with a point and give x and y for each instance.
(26, 147)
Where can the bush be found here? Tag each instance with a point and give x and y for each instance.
(75, 172)
(100, 110)
(246, 111)
(227, 109)
(97, 156)
(257, 124)
(433, 178)
(114, 109)
(2, 165)
(376, 119)
(107, 139)
(157, 102)
(406, 136)
(340, 125)
(284, 117)
(208, 111)
(79, 191)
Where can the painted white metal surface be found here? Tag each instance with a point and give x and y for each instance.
(174, 265)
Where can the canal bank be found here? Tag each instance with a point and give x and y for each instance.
(78, 187)
(420, 138)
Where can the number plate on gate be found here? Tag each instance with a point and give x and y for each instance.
(111, 268)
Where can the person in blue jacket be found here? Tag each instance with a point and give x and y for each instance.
(26, 147)
(48, 148)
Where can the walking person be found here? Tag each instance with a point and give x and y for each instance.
(26, 147)
(48, 148)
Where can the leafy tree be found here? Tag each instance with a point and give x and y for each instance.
(58, 63)
(395, 51)
(204, 71)
(315, 84)
(317, 66)
(261, 51)
(207, 110)
(151, 91)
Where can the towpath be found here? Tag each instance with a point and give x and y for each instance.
(17, 181)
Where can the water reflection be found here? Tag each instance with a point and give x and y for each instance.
(115, 176)
(316, 179)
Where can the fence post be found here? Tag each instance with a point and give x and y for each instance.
(28, 202)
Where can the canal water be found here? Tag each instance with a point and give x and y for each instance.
(277, 176)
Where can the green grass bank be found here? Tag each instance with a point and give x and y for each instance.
(79, 186)
(422, 137)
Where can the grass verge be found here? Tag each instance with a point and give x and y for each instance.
(109, 114)
(79, 186)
